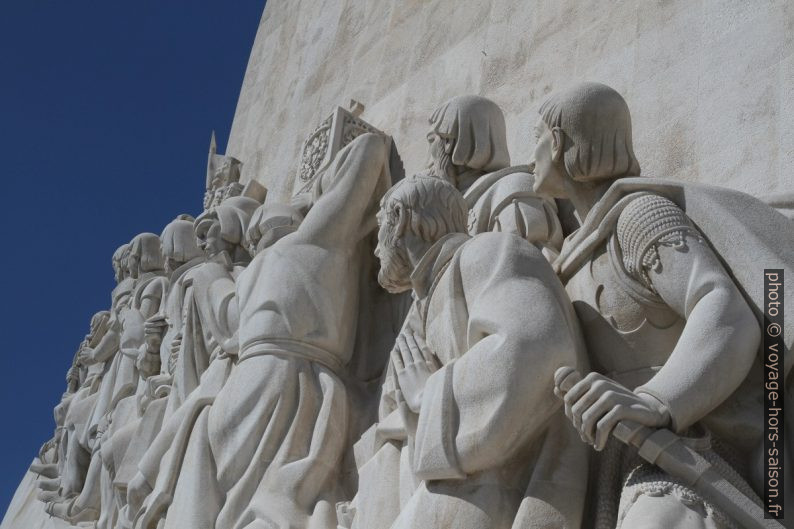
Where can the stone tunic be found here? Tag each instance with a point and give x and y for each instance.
(630, 332)
(206, 356)
(501, 201)
(478, 453)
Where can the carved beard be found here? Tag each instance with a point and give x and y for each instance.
(395, 268)
(441, 165)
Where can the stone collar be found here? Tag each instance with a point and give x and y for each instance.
(184, 267)
(434, 262)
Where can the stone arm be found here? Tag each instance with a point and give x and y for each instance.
(357, 174)
(485, 407)
(214, 293)
(153, 297)
(721, 337)
(107, 346)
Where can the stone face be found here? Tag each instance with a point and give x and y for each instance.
(338, 343)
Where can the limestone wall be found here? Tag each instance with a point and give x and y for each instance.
(710, 82)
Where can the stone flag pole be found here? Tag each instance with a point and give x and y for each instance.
(464, 265)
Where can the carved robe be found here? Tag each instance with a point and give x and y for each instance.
(206, 357)
(499, 322)
(147, 300)
(275, 435)
(144, 427)
(500, 201)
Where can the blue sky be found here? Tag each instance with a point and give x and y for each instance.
(107, 109)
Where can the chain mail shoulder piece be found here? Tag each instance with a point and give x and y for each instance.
(644, 224)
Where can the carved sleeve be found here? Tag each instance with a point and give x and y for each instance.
(474, 409)
(153, 297)
(646, 223)
(357, 175)
(718, 344)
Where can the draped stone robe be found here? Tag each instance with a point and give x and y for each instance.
(153, 393)
(107, 351)
(501, 201)
(500, 324)
(206, 357)
(147, 300)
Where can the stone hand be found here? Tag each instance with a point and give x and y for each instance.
(148, 364)
(85, 357)
(137, 490)
(413, 364)
(153, 329)
(595, 404)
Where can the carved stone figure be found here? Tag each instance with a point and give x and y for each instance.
(181, 254)
(74, 452)
(278, 465)
(467, 147)
(465, 383)
(206, 352)
(113, 409)
(151, 286)
(67, 473)
(79, 468)
(653, 275)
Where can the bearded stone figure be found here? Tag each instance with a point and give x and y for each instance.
(467, 147)
(660, 275)
(466, 382)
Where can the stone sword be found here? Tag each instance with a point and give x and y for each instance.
(666, 450)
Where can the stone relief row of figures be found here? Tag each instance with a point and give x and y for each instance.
(263, 366)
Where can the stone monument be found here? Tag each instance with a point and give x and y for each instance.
(473, 265)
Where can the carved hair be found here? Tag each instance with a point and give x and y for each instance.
(596, 124)
(120, 257)
(478, 128)
(179, 241)
(435, 207)
(147, 247)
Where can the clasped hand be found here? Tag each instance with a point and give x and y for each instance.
(596, 403)
(85, 356)
(153, 329)
(413, 364)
